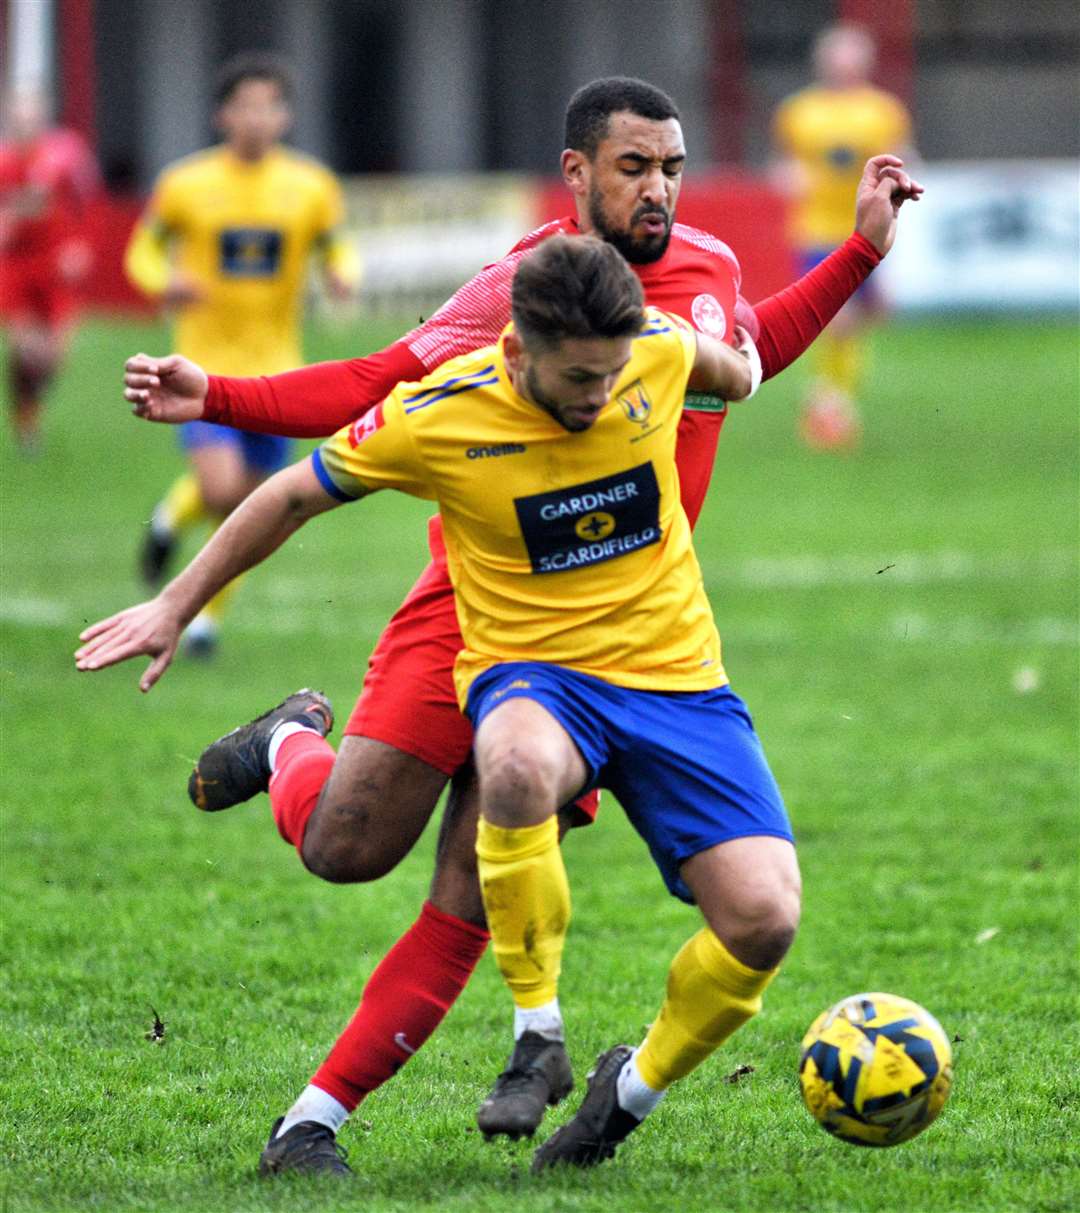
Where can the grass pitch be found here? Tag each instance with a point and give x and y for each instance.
(902, 624)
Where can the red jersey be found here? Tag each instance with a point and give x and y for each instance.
(44, 185)
(698, 278)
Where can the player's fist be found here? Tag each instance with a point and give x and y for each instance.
(884, 188)
(170, 389)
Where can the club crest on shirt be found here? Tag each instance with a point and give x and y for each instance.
(636, 403)
(708, 316)
(364, 427)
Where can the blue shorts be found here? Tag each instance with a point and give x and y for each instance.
(687, 766)
(868, 295)
(264, 453)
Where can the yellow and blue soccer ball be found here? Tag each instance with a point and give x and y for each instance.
(875, 1069)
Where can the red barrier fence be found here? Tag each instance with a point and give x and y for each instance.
(738, 208)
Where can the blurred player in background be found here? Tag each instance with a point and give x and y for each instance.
(225, 242)
(47, 175)
(356, 817)
(824, 135)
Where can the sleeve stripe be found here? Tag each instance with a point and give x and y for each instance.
(485, 370)
(452, 391)
(324, 479)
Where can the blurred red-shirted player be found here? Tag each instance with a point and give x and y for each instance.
(47, 175)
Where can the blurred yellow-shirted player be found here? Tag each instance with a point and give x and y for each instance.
(226, 241)
(825, 133)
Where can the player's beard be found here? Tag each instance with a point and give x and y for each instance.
(637, 252)
(550, 405)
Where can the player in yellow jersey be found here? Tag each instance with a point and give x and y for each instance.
(226, 242)
(824, 134)
(590, 652)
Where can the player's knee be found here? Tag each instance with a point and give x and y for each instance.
(340, 847)
(221, 496)
(761, 933)
(30, 376)
(344, 860)
(516, 780)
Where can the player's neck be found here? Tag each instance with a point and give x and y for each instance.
(250, 156)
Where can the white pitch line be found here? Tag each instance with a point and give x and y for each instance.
(805, 571)
(909, 568)
(35, 612)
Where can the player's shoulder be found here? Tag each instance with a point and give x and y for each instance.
(692, 241)
(304, 167)
(888, 103)
(659, 322)
(453, 380)
(556, 227)
(801, 99)
(192, 168)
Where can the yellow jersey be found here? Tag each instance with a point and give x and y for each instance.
(566, 548)
(832, 133)
(242, 232)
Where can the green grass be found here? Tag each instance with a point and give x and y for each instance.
(875, 612)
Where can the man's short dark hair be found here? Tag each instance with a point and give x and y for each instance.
(575, 286)
(253, 65)
(589, 112)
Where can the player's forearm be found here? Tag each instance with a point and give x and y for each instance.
(313, 402)
(791, 319)
(721, 371)
(254, 530)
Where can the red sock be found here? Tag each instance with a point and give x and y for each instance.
(404, 1001)
(303, 766)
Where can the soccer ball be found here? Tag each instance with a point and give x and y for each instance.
(875, 1069)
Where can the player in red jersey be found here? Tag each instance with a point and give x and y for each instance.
(46, 177)
(623, 165)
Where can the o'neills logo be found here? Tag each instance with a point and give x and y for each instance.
(364, 427)
(585, 524)
(493, 452)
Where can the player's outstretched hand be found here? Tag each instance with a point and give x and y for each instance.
(170, 389)
(884, 188)
(150, 629)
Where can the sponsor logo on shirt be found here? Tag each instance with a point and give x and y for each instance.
(586, 524)
(364, 427)
(250, 252)
(708, 316)
(493, 452)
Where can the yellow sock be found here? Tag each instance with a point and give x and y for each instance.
(183, 504)
(527, 901)
(709, 995)
(838, 361)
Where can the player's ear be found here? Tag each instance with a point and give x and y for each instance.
(575, 170)
(512, 350)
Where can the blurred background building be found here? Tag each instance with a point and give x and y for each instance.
(391, 87)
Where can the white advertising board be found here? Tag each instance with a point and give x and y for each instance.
(994, 234)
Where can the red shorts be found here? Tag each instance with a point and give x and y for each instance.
(31, 292)
(408, 700)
